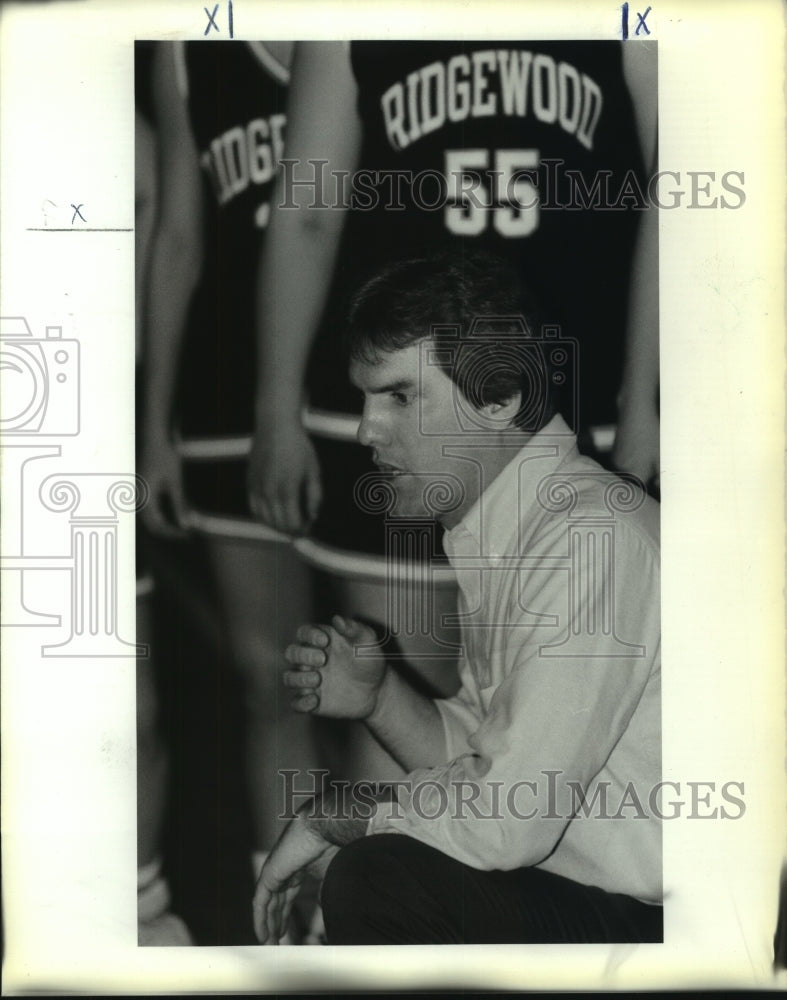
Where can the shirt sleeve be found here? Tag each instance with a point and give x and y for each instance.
(565, 701)
(460, 718)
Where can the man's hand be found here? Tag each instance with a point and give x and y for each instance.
(284, 485)
(299, 850)
(161, 470)
(308, 845)
(330, 677)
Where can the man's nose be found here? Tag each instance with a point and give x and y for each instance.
(370, 429)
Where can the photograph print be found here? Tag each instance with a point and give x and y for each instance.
(398, 417)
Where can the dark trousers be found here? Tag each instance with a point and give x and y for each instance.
(391, 889)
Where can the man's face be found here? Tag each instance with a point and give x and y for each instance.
(409, 416)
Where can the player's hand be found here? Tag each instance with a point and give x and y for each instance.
(636, 447)
(299, 850)
(284, 485)
(331, 676)
(165, 510)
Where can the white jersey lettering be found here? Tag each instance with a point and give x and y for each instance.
(591, 110)
(484, 104)
(393, 113)
(261, 166)
(504, 81)
(544, 89)
(243, 156)
(514, 79)
(235, 159)
(568, 104)
(432, 97)
(458, 89)
(412, 107)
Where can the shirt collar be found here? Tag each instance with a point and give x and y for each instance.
(494, 519)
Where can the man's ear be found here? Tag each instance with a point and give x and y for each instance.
(502, 414)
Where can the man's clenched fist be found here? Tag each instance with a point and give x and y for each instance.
(336, 671)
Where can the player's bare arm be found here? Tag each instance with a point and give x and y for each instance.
(337, 673)
(295, 271)
(175, 268)
(637, 441)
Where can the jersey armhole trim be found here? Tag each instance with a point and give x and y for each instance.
(270, 62)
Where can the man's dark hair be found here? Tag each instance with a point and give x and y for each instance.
(484, 321)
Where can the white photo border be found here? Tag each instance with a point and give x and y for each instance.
(69, 810)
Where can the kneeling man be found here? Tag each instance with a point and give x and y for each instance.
(529, 812)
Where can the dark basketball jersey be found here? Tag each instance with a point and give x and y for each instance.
(235, 93)
(526, 149)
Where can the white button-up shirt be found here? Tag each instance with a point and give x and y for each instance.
(554, 738)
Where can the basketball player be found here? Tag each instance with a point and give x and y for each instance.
(156, 924)
(220, 110)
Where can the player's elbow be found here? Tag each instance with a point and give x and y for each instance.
(318, 226)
